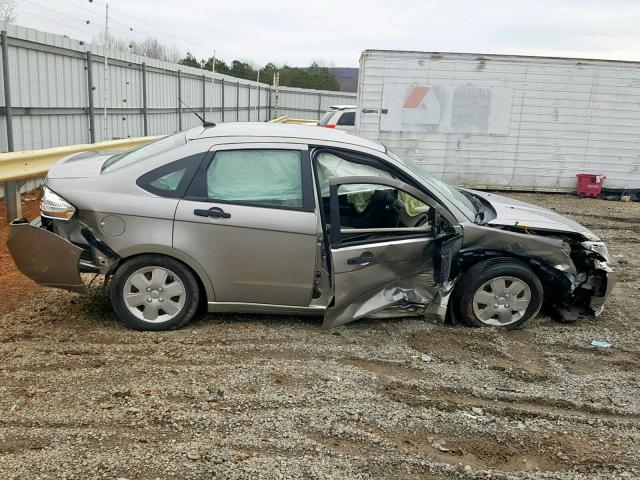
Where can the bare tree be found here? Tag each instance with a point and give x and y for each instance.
(149, 47)
(8, 11)
(173, 54)
(111, 41)
(152, 48)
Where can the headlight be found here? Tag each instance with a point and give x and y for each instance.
(598, 247)
(53, 205)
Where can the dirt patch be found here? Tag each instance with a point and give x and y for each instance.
(387, 369)
(523, 452)
(13, 284)
(513, 406)
(513, 352)
(21, 444)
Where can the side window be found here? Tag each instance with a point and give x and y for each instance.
(371, 207)
(347, 119)
(171, 180)
(271, 178)
(329, 166)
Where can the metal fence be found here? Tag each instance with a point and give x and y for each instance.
(58, 91)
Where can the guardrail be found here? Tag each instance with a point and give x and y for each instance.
(293, 121)
(19, 166)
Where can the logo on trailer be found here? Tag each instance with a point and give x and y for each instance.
(421, 106)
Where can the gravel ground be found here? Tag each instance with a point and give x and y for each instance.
(238, 396)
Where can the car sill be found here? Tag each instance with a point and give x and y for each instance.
(264, 308)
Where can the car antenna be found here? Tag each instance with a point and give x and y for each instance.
(204, 122)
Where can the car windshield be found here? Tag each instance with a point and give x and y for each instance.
(326, 117)
(145, 151)
(460, 200)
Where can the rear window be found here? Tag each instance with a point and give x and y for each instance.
(347, 119)
(326, 117)
(143, 152)
(171, 180)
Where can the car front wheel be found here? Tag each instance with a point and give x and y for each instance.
(154, 292)
(500, 292)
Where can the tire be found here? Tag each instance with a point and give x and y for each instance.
(490, 292)
(154, 292)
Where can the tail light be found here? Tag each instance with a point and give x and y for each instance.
(329, 126)
(54, 206)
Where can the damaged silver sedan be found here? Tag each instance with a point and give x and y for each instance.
(275, 218)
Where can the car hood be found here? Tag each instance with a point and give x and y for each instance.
(510, 212)
(80, 165)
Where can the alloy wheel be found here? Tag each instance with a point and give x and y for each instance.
(154, 294)
(501, 301)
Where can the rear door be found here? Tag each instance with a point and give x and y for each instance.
(385, 248)
(249, 219)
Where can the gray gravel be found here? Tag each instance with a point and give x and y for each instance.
(238, 396)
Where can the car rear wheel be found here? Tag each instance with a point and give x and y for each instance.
(153, 292)
(501, 292)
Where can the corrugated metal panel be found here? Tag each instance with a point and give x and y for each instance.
(48, 76)
(302, 103)
(565, 116)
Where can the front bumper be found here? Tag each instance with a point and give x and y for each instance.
(45, 257)
(596, 304)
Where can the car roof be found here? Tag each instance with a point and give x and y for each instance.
(263, 130)
(342, 107)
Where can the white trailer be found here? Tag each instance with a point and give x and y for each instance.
(505, 122)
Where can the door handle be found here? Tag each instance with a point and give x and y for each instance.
(213, 212)
(365, 259)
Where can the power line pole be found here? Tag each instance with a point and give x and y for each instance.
(106, 67)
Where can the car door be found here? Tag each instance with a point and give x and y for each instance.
(249, 219)
(388, 260)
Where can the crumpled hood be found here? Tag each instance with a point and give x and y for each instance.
(80, 165)
(512, 212)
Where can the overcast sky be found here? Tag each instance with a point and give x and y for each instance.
(297, 32)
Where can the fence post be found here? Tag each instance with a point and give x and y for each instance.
(258, 107)
(92, 122)
(204, 96)
(269, 103)
(276, 86)
(249, 102)
(145, 121)
(222, 103)
(319, 105)
(179, 100)
(12, 198)
(237, 101)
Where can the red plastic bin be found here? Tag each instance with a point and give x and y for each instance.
(589, 184)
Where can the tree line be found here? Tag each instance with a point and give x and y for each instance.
(315, 76)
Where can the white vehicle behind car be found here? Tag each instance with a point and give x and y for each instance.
(342, 117)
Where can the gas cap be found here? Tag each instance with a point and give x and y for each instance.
(112, 225)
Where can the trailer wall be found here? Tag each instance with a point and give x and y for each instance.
(506, 122)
